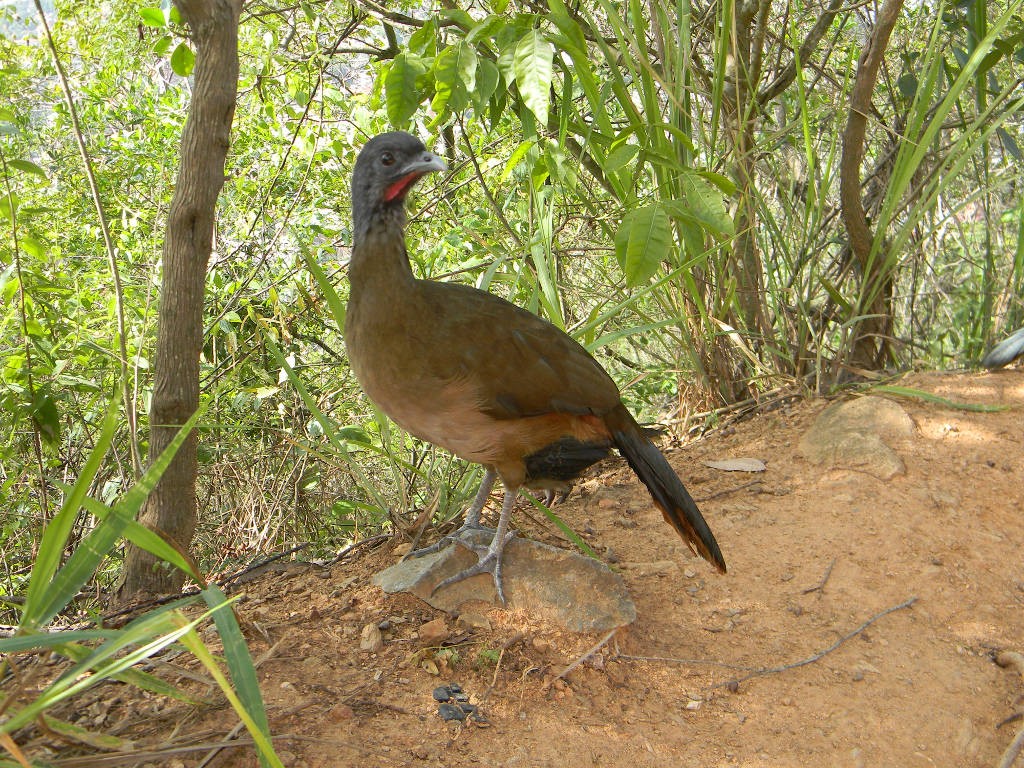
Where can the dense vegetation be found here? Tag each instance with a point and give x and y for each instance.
(661, 180)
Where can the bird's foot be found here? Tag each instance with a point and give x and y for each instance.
(466, 535)
(490, 562)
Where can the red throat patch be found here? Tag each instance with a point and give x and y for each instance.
(400, 188)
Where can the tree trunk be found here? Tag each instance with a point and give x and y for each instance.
(171, 508)
(871, 346)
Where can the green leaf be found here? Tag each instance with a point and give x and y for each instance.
(620, 157)
(153, 17)
(8, 206)
(701, 204)
(183, 60)
(27, 166)
(401, 93)
(487, 77)
(55, 536)
(515, 158)
(533, 69)
(643, 241)
(424, 39)
(454, 78)
(239, 660)
(907, 85)
(928, 397)
(46, 416)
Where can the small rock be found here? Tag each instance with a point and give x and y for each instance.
(473, 621)
(455, 687)
(692, 705)
(370, 639)
(434, 632)
(608, 504)
(402, 549)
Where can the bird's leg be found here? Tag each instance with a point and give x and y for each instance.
(490, 556)
(469, 524)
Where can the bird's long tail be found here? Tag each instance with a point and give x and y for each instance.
(667, 490)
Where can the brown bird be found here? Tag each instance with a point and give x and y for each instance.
(480, 377)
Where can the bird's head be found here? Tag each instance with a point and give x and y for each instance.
(386, 169)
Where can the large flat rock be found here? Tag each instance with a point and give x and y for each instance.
(575, 592)
(856, 434)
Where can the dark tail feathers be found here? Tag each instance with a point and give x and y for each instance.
(667, 490)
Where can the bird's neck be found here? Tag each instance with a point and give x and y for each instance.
(379, 259)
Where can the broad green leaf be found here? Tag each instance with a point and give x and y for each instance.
(27, 166)
(183, 60)
(153, 17)
(487, 77)
(32, 247)
(8, 206)
(401, 93)
(515, 158)
(459, 17)
(533, 68)
(486, 29)
(454, 78)
(619, 157)
(702, 204)
(264, 746)
(46, 416)
(161, 46)
(424, 39)
(642, 242)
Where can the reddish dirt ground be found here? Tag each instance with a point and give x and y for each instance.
(813, 554)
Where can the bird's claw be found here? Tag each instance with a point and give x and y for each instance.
(490, 562)
(464, 535)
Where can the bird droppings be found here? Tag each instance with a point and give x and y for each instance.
(455, 704)
(442, 693)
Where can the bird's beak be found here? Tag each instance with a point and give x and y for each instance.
(411, 172)
(428, 162)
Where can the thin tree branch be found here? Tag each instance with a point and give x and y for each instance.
(108, 243)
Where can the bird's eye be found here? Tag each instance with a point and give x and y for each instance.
(387, 158)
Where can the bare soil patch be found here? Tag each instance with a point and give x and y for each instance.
(813, 555)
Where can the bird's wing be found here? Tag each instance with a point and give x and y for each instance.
(519, 364)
